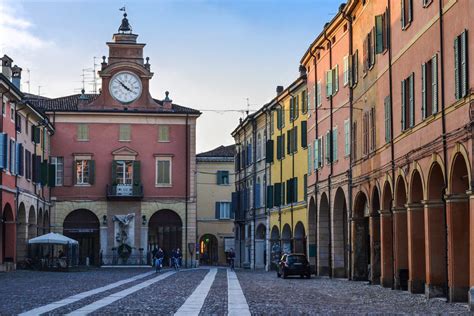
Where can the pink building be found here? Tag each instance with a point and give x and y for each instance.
(125, 163)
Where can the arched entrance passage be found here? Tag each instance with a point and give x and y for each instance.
(416, 236)
(32, 223)
(374, 230)
(208, 250)
(39, 223)
(312, 233)
(323, 236)
(275, 246)
(458, 231)
(286, 239)
(339, 232)
(401, 235)
(21, 234)
(435, 232)
(83, 226)
(300, 238)
(260, 252)
(361, 239)
(9, 234)
(386, 236)
(165, 230)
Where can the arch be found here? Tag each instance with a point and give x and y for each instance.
(9, 234)
(435, 232)
(340, 233)
(458, 220)
(39, 223)
(260, 234)
(323, 236)
(286, 238)
(387, 197)
(46, 222)
(165, 231)
(460, 151)
(386, 237)
(300, 238)
(416, 187)
(260, 251)
(32, 225)
(83, 226)
(21, 233)
(400, 235)
(312, 232)
(374, 232)
(208, 252)
(361, 238)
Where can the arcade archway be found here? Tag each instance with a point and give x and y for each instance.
(286, 239)
(340, 241)
(83, 226)
(21, 234)
(300, 238)
(165, 231)
(9, 232)
(275, 246)
(208, 250)
(361, 239)
(260, 252)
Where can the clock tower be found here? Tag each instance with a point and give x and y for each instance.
(125, 76)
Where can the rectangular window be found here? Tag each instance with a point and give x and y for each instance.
(82, 132)
(347, 137)
(461, 82)
(28, 165)
(329, 84)
(408, 102)
(316, 154)
(124, 133)
(388, 120)
(346, 70)
(372, 129)
(318, 94)
(163, 171)
(222, 177)
(224, 210)
(163, 133)
(82, 171)
(18, 123)
(429, 87)
(12, 157)
(365, 130)
(124, 172)
(327, 151)
(406, 13)
(58, 162)
(304, 101)
(354, 140)
(310, 159)
(334, 144)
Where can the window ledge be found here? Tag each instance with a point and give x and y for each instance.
(84, 185)
(82, 140)
(164, 141)
(163, 185)
(125, 141)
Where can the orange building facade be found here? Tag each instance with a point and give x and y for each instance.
(389, 195)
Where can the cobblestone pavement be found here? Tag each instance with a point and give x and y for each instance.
(265, 294)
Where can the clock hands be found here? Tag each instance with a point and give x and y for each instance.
(123, 85)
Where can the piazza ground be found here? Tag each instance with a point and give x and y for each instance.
(205, 291)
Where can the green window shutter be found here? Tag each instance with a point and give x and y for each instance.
(305, 187)
(328, 147)
(283, 201)
(219, 177)
(304, 129)
(279, 148)
(316, 154)
(270, 196)
(457, 78)
(296, 109)
(434, 82)
(410, 10)
(379, 34)
(136, 173)
(37, 136)
(283, 145)
(52, 176)
(44, 172)
(403, 103)
(423, 91)
(92, 171)
(412, 99)
(402, 12)
(295, 138)
(464, 66)
(289, 191)
(74, 171)
(269, 151)
(114, 172)
(334, 146)
(218, 210)
(291, 109)
(277, 194)
(329, 83)
(288, 145)
(294, 184)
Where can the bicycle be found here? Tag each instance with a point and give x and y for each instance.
(176, 264)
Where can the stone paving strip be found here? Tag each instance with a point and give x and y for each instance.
(119, 295)
(24, 290)
(216, 300)
(194, 303)
(161, 298)
(80, 296)
(236, 302)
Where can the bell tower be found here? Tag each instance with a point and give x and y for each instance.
(125, 75)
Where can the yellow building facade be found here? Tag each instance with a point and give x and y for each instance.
(286, 194)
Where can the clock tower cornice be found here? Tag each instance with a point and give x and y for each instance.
(138, 69)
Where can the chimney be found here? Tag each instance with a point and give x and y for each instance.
(7, 66)
(302, 70)
(279, 89)
(16, 76)
(167, 102)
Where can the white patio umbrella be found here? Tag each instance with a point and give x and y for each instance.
(52, 239)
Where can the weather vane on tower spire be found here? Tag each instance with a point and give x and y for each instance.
(125, 26)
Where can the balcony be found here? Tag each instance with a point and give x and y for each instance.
(125, 192)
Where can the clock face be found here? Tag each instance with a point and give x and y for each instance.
(125, 87)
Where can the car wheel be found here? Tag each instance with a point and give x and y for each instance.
(301, 275)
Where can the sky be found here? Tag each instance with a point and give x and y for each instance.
(221, 57)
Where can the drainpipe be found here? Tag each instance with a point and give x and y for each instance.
(267, 228)
(187, 191)
(348, 18)
(248, 197)
(316, 175)
(281, 174)
(292, 177)
(392, 144)
(254, 134)
(445, 146)
(331, 152)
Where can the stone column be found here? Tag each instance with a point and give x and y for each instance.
(416, 248)
(386, 248)
(22, 241)
(435, 249)
(103, 245)
(144, 241)
(401, 245)
(374, 223)
(359, 246)
(458, 247)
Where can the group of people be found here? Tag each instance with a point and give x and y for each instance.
(159, 255)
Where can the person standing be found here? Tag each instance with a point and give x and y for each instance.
(231, 258)
(159, 259)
